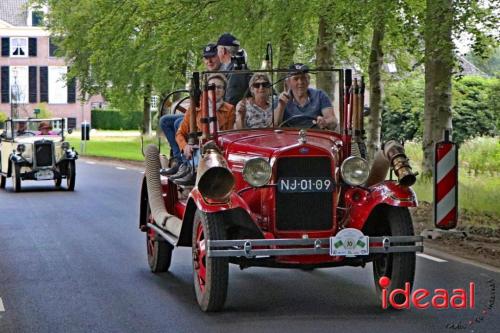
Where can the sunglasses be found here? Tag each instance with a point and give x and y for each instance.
(261, 84)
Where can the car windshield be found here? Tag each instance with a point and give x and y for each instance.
(297, 98)
(33, 127)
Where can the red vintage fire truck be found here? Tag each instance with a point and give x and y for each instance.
(283, 197)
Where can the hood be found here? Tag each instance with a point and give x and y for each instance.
(268, 142)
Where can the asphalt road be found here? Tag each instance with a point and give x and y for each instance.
(76, 262)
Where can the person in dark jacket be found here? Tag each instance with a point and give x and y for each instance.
(232, 59)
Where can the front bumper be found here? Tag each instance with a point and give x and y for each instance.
(251, 248)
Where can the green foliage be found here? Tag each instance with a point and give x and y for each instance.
(403, 109)
(3, 117)
(475, 107)
(472, 113)
(115, 120)
(44, 111)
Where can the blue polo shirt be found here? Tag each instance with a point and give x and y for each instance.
(317, 101)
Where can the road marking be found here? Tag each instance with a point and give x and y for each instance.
(90, 162)
(142, 171)
(120, 168)
(2, 308)
(426, 256)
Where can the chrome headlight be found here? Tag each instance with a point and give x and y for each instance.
(65, 145)
(355, 170)
(257, 172)
(21, 148)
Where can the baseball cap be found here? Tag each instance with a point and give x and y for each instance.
(226, 39)
(210, 50)
(297, 69)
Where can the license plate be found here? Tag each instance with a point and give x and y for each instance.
(44, 175)
(305, 184)
(349, 242)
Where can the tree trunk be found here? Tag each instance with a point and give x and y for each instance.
(324, 55)
(439, 59)
(287, 51)
(146, 116)
(376, 86)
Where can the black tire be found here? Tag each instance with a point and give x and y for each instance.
(16, 177)
(210, 274)
(57, 182)
(70, 175)
(398, 267)
(159, 251)
(3, 181)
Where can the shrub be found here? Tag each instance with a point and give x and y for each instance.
(475, 108)
(116, 120)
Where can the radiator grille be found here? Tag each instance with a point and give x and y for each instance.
(304, 211)
(43, 153)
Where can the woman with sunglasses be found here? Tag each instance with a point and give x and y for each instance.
(256, 111)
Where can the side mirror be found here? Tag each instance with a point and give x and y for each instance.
(70, 130)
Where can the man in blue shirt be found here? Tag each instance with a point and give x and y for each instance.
(302, 106)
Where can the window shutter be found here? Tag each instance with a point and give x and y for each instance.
(44, 84)
(32, 47)
(52, 48)
(5, 46)
(4, 74)
(32, 84)
(71, 90)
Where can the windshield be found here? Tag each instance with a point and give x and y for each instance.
(33, 127)
(297, 98)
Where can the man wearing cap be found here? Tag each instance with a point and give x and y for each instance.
(170, 123)
(237, 87)
(306, 105)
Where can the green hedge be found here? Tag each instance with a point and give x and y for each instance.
(116, 120)
(475, 108)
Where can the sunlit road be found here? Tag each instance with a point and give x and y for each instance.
(76, 262)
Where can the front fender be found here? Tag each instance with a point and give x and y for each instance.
(244, 217)
(362, 202)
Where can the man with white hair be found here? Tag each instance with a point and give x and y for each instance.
(232, 59)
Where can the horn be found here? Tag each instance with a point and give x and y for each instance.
(395, 153)
(214, 180)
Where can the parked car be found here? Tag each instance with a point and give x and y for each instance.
(35, 149)
(283, 197)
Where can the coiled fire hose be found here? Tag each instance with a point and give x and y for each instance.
(169, 222)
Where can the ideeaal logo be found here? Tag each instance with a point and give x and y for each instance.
(461, 298)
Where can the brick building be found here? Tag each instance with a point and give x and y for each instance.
(31, 75)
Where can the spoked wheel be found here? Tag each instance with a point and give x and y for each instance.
(210, 274)
(398, 267)
(70, 175)
(16, 177)
(159, 250)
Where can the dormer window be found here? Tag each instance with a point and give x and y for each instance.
(36, 18)
(19, 47)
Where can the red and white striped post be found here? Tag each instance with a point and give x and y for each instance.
(446, 183)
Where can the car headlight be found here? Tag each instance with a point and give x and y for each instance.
(65, 145)
(355, 170)
(21, 148)
(257, 172)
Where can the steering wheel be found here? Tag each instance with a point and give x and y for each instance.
(292, 119)
(28, 133)
(179, 106)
